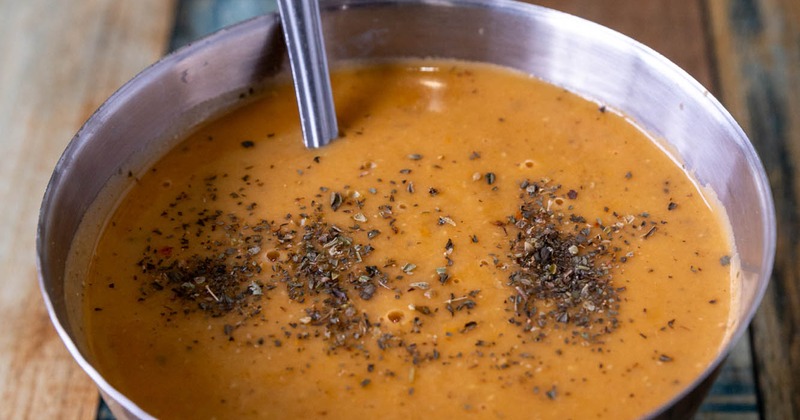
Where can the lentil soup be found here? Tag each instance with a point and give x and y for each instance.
(477, 243)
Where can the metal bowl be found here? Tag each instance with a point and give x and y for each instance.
(151, 113)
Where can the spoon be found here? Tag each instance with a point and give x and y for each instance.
(302, 28)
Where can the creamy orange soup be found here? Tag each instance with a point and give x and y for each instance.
(476, 243)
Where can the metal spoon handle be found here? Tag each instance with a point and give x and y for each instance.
(302, 28)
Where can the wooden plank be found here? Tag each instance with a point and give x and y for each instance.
(759, 62)
(59, 61)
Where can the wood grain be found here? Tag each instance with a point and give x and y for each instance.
(759, 42)
(58, 61)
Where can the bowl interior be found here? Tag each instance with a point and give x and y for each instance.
(214, 74)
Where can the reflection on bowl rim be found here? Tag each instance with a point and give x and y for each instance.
(518, 14)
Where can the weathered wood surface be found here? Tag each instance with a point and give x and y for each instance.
(757, 46)
(58, 61)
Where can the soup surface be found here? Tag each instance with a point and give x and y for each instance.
(477, 243)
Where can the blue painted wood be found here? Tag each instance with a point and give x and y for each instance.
(197, 18)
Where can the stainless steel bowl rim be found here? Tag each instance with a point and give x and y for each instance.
(523, 11)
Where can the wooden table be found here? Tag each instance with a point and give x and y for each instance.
(60, 59)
